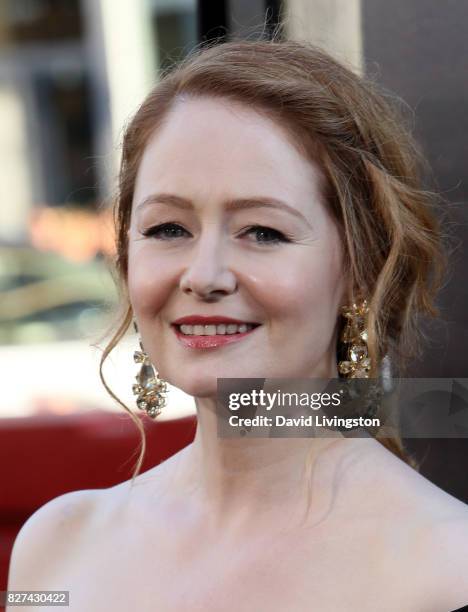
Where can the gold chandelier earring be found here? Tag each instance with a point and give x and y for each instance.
(357, 363)
(150, 388)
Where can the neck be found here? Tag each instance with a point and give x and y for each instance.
(241, 480)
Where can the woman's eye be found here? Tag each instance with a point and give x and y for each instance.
(272, 236)
(165, 231)
(168, 231)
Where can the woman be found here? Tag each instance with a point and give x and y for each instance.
(263, 182)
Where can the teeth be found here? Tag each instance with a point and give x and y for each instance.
(215, 330)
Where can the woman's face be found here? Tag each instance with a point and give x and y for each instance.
(212, 174)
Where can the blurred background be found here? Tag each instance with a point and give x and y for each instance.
(72, 72)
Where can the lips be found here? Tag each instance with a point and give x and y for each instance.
(209, 342)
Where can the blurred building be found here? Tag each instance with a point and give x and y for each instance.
(71, 73)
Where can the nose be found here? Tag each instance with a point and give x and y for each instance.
(207, 276)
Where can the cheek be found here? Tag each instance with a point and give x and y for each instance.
(150, 281)
(309, 297)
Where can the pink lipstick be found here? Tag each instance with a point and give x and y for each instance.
(213, 340)
(210, 341)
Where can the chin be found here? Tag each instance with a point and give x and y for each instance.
(197, 388)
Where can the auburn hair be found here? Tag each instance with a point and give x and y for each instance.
(357, 134)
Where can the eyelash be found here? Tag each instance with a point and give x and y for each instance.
(154, 231)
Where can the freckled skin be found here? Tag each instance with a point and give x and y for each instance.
(210, 151)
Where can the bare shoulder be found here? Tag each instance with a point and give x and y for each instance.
(445, 546)
(435, 524)
(412, 494)
(56, 524)
(72, 525)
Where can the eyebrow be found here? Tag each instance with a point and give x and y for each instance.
(229, 205)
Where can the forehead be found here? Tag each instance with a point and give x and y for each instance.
(218, 148)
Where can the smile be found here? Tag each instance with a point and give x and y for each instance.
(211, 336)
